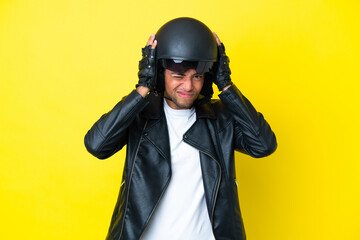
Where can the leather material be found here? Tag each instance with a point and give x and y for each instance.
(221, 69)
(221, 126)
(147, 68)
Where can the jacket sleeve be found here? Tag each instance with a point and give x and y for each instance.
(109, 134)
(253, 134)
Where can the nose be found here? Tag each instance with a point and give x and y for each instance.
(187, 83)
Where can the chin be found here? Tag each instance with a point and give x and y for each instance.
(181, 103)
(185, 105)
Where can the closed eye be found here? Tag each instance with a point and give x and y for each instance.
(178, 75)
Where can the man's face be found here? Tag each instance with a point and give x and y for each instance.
(182, 87)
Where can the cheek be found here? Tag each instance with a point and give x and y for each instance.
(172, 85)
(167, 83)
(198, 85)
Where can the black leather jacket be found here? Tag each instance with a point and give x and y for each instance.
(221, 127)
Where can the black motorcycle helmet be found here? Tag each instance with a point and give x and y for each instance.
(188, 42)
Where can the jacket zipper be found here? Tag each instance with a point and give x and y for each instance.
(131, 173)
(217, 187)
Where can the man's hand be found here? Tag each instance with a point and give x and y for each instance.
(147, 69)
(222, 71)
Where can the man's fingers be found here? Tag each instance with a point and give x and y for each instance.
(221, 47)
(151, 40)
(217, 39)
(154, 44)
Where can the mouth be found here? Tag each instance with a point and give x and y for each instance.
(185, 94)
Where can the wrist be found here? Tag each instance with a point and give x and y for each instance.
(143, 91)
(226, 87)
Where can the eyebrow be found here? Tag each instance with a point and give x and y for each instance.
(182, 74)
(177, 73)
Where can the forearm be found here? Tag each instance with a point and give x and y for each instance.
(109, 133)
(254, 134)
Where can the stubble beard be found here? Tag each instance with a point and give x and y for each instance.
(174, 99)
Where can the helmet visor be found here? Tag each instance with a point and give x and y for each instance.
(183, 66)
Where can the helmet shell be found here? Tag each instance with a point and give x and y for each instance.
(186, 39)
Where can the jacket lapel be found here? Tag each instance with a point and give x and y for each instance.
(201, 135)
(157, 134)
(156, 131)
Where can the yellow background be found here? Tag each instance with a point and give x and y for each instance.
(63, 63)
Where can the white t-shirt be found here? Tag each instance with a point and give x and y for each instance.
(182, 212)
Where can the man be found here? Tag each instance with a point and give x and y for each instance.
(179, 177)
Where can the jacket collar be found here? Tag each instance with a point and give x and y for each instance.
(155, 108)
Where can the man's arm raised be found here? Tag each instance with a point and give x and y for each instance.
(109, 134)
(253, 134)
